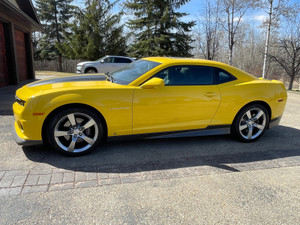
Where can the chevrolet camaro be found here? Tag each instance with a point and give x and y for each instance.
(151, 97)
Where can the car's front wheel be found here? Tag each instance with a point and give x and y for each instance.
(250, 123)
(90, 70)
(75, 131)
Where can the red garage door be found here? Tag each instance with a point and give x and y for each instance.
(21, 54)
(3, 64)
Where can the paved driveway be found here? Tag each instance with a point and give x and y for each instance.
(158, 181)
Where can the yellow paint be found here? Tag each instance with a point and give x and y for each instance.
(137, 108)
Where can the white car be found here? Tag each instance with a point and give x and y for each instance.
(106, 64)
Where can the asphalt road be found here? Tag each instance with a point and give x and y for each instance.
(200, 180)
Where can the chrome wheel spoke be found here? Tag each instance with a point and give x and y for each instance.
(72, 144)
(249, 135)
(88, 140)
(258, 115)
(59, 133)
(248, 113)
(243, 127)
(89, 124)
(261, 127)
(72, 120)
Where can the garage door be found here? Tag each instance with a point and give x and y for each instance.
(21, 54)
(3, 62)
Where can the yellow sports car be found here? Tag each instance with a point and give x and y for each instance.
(157, 96)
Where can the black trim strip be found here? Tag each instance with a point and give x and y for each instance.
(69, 79)
(274, 122)
(210, 130)
(24, 142)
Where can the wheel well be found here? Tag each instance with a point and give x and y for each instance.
(266, 105)
(91, 68)
(50, 115)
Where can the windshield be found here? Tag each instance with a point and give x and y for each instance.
(132, 71)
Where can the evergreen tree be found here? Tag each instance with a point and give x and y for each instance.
(158, 28)
(96, 32)
(55, 16)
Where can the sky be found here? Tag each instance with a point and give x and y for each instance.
(193, 7)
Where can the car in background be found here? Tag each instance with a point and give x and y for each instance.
(151, 97)
(106, 64)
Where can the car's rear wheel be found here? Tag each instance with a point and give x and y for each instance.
(90, 70)
(250, 123)
(75, 131)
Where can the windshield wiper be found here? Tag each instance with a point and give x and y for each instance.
(110, 78)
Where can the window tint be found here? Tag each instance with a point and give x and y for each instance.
(222, 76)
(122, 60)
(187, 75)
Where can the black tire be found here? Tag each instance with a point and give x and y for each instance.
(74, 131)
(247, 129)
(90, 70)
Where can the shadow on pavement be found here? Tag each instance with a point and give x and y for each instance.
(7, 96)
(159, 154)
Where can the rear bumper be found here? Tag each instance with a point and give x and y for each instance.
(274, 122)
(21, 141)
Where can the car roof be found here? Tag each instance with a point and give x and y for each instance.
(126, 57)
(180, 59)
(170, 60)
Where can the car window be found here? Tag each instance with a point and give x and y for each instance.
(222, 76)
(187, 75)
(132, 71)
(109, 60)
(122, 60)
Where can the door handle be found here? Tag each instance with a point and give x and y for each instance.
(210, 94)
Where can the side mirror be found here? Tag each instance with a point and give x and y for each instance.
(153, 83)
(102, 61)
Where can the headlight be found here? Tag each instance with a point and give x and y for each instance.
(20, 101)
(79, 66)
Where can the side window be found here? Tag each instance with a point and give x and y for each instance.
(187, 75)
(109, 60)
(223, 77)
(122, 60)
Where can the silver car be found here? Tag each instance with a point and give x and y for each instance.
(106, 64)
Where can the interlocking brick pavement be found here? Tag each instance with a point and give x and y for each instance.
(15, 182)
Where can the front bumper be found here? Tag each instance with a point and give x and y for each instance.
(79, 70)
(21, 141)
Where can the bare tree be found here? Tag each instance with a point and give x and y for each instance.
(207, 35)
(268, 37)
(288, 54)
(234, 10)
(276, 10)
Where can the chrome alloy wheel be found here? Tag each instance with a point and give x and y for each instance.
(252, 123)
(76, 132)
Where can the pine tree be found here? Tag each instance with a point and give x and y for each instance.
(158, 28)
(96, 32)
(55, 16)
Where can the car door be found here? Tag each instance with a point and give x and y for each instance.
(188, 101)
(107, 65)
